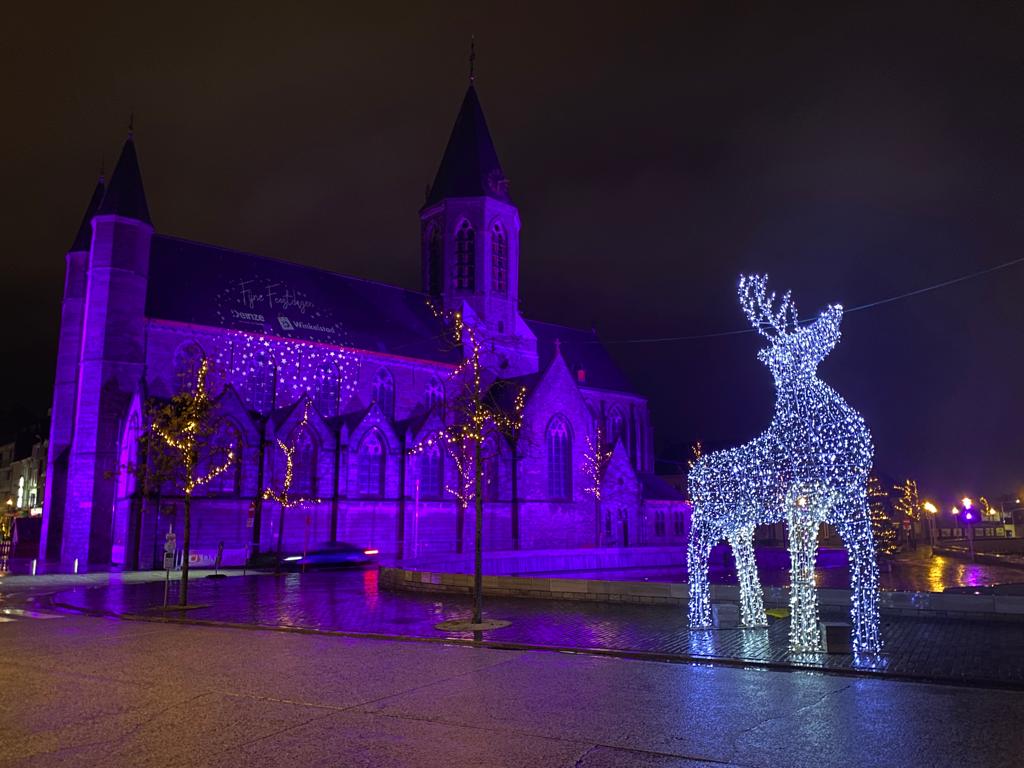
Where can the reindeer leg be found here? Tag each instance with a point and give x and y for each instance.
(697, 554)
(804, 633)
(751, 596)
(855, 530)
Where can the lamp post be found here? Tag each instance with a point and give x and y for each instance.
(970, 515)
(932, 510)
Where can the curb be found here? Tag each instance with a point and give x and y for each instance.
(670, 658)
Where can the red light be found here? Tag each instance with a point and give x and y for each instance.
(371, 551)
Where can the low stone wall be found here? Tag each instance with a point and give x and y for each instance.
(521, 562)
(922, 604)
(591, 590)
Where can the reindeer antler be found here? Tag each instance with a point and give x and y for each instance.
(759, 307)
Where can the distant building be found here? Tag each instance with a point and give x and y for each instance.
(23, 475)
(141, 309)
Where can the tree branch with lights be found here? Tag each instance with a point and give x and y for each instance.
(595, 462)
(284, 497)
(476, 416)
(186, 427)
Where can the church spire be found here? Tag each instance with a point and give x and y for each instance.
(125, 195)
(470, 166)
(83, 239)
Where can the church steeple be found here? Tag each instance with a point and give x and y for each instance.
(84, 237)
(470, 166)
(470, 240)
(125, 195)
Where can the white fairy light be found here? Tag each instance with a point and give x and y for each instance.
(284, 370)
(810, 466)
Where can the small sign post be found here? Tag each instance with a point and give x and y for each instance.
(170, 545)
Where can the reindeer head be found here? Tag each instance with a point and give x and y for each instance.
(795, 349)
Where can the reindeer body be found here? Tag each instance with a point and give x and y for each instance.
(810, 466)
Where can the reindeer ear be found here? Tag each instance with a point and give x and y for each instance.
(826, 329)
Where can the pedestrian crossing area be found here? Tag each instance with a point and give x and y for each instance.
(16, 614)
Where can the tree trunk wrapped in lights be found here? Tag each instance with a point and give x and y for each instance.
(810, 466)
(284, 496)
(475, 416)
(595, 461)
(186, 426)
(881, 523)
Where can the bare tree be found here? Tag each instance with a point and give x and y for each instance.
(186, 427)
(595, 461)
(476, 415)
(284, 497)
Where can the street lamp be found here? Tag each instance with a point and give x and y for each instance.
(932, 510)
(970, 515)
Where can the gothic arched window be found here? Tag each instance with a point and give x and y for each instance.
(465, 257)
(384, 392)
(304, 466)
(187, 361)
(226, 438)
(128, 458)
(259, 384)
(431, 472)
(327, 389)
(559, 444)
(434, 395)
(616, 427)
(499, 260)
(435, 260)
(370, 466)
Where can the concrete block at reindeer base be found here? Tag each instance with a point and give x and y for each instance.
(725, 615)
(836, 637)
(729, 593)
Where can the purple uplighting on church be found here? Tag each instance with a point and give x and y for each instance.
(142, 308)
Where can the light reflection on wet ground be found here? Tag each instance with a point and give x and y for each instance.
(351, 601)
(911, 572)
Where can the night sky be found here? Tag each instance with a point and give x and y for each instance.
(654, 154)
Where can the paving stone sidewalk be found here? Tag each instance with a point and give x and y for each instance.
(947, 650)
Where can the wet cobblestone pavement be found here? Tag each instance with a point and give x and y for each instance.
(350, 601)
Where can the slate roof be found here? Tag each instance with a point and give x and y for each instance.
(654, 488)
(469, 167)
(581, 350)
(83, 240)
(206, 285)
(125, 195)
(221, 288)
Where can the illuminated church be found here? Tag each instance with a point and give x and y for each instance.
(369, 364)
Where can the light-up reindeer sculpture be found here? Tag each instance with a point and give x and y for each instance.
(810, 466)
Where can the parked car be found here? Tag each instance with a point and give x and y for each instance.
(330, 555)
